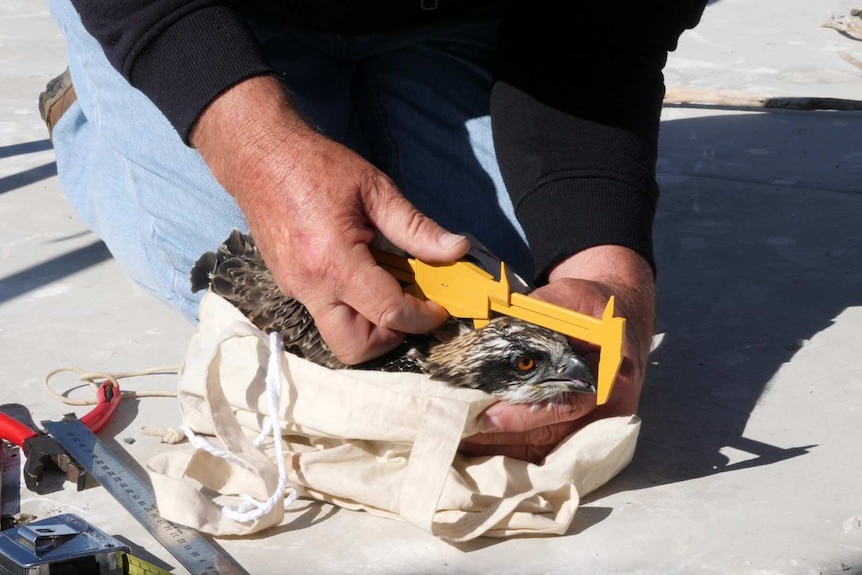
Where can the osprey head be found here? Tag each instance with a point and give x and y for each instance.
(513, 359)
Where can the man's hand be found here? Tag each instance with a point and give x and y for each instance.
(584, 283)
(313, 206)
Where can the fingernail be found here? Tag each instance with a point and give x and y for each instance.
(488, 423)
(448, 239)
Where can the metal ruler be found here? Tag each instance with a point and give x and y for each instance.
(194, 552)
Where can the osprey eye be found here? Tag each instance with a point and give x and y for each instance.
(526, 362)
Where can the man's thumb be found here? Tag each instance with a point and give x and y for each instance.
(417, 234)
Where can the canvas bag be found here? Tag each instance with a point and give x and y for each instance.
(385, 443)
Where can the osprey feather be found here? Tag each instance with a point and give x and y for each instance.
(515, 360)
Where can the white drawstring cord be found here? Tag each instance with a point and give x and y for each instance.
(253, 509)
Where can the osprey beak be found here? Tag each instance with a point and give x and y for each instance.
(579, 375)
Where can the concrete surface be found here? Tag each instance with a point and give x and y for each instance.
(750, 459)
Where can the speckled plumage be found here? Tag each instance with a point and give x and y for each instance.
(510, 358)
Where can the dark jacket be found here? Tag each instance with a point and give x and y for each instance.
(575, 106)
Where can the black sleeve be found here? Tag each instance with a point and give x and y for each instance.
(575, 114)
(180, 53)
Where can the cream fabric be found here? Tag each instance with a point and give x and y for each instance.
(381, 442)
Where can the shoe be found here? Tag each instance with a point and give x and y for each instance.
(59, 94)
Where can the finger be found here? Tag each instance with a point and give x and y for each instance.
(364, 313)
(351, 337)
(545, 435)
(507, 417)
(533, 445)
(411, 230)
(531, 453)
(377, 295)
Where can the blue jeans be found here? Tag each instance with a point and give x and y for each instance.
(415, 103)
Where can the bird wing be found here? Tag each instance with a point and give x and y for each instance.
(237, 273)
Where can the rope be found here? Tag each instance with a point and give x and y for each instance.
(252, 509)
(169, 435)
(95, 377)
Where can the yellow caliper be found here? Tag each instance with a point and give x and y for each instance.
(467, 291)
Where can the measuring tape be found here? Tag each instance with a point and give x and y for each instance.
(135, 566)
(198, 555)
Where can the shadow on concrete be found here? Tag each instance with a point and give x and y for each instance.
(25, 148)
(27, 177)
(32, 278)
(301, 515)
(757, 253)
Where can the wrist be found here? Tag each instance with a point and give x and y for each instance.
(249, 109)
(606, 263)
(626, 275)
(241, 129)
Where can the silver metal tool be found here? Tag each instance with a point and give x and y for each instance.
(3, 518)
(194, 552)
(10, 484)
(2, 468)
(61, 544)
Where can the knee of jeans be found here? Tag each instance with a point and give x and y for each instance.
(165, 272)
(181, 297)
(166, 283)
(73, 145)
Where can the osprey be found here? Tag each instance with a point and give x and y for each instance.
(515, 360)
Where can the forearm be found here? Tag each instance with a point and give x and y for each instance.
(575, 113)
(248, 136)
(575, 184)
(611, 265)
